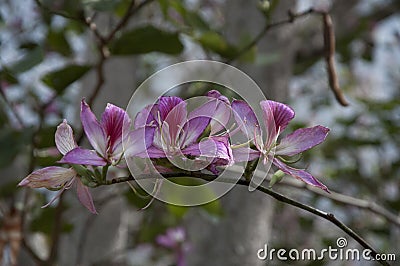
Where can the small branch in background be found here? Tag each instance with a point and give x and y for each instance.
(347, 200)
(52, 259)
(207, 177)
(11, 109)
(291, 18)
(329, 44)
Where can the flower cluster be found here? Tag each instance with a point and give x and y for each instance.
(167, 131)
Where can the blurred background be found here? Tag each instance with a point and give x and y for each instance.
(53, 53)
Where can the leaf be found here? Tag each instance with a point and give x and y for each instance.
(205, 194)
(6, 75)
(11, 143)
(139, 201)
(178, 211)
(8, 189)
(57, 42)
(60, 79)
(28, 61)
(215, 42)
(145, 40)
(44, 222)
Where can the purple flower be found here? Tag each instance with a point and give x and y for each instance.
(55, 177)
(276, 117)
(106, 138)
(175, 239)
(177, 131)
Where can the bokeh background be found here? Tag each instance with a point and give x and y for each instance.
(53, 53)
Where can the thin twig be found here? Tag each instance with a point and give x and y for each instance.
(292, 17)
(11, 109)
(207, 177)
(329, 44)
(347, 200)
(56, 232)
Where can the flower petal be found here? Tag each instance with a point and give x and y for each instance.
(93, 130)
(246, 118)
(168, 103)
(114, 121)
(84, 196)
(300, 174)
(48, 177)
(281, 113)
(193, 129)
(217, 95)
(218, 110)
(138, 140)
(173, 115)
(83, 156)
(301, 140)
(152, 152)
(145, 116)
(244, 154)
(64, 138)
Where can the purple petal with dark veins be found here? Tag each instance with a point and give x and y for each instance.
(281, 114)
(245, 118)
(93, 130)
(83, 156)
(84, 196)
(193, 129)
(244, 154)
(64, 138)
(167, 103)
(299, 174)
(114, 121)
(301, 140)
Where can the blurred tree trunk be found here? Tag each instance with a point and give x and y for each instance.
(247, 222)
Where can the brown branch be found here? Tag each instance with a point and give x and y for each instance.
(207, 177)
(329, 43)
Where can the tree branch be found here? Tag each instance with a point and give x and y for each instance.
(207, 177)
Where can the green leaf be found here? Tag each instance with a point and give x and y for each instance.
(11, 143)
(8, 189)
(6, 75)
(215, 42)
(28, 61)
(44, 222)
(136, 200)
(60, 79)
(205, 194)
(178, 211)
(57, 42)
(145, 40)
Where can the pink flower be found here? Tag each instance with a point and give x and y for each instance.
(60, 178)
(175, 239)
(177, 131)
(106, 138)
(276, 117)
